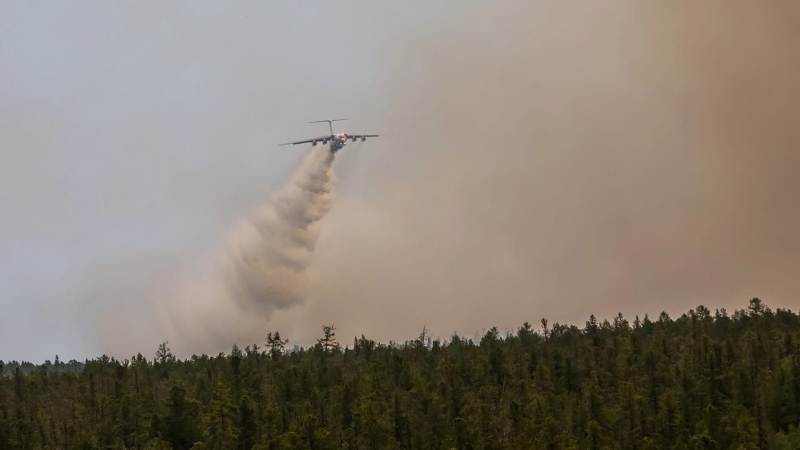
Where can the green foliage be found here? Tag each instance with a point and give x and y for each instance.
(786, 440)
(700, 381)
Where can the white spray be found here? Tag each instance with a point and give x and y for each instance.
(261, 267)
(268, 254)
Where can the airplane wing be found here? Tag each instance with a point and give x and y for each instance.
(360, 136)
(318, 139)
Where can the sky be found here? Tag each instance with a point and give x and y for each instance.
(547, 159)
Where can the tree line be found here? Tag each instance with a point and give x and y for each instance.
(700, 381)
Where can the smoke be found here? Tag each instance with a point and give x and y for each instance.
(548, 159)
(567, 158)
(260, 268)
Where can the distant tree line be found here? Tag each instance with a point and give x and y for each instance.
(28, 368)
(701, 381)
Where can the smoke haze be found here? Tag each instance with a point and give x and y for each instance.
(547, 159)
(573, 158)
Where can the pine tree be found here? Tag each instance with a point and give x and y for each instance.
(328, 340)
(220, 429)
(180, 423)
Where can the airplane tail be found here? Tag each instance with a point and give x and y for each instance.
(330, 122)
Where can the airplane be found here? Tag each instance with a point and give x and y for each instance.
(337, 140)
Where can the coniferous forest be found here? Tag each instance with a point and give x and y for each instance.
(705, 380)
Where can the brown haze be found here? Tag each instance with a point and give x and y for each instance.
(556, 159)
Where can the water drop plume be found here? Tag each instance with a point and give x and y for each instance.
(260, 268)
(269, 253)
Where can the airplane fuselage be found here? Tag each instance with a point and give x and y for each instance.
(338, 141)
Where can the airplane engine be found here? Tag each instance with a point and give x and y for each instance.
(314, 143)
(363, 139)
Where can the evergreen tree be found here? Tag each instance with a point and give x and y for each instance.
(180, 423)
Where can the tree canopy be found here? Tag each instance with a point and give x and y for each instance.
(701, 381)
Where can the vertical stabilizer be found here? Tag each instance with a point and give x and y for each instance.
(330, 123)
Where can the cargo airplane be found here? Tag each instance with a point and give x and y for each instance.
(337, 140)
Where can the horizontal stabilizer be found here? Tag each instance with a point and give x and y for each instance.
(327, 120)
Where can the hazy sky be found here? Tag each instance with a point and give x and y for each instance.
(548, 159)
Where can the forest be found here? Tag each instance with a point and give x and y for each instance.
(704, 380)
